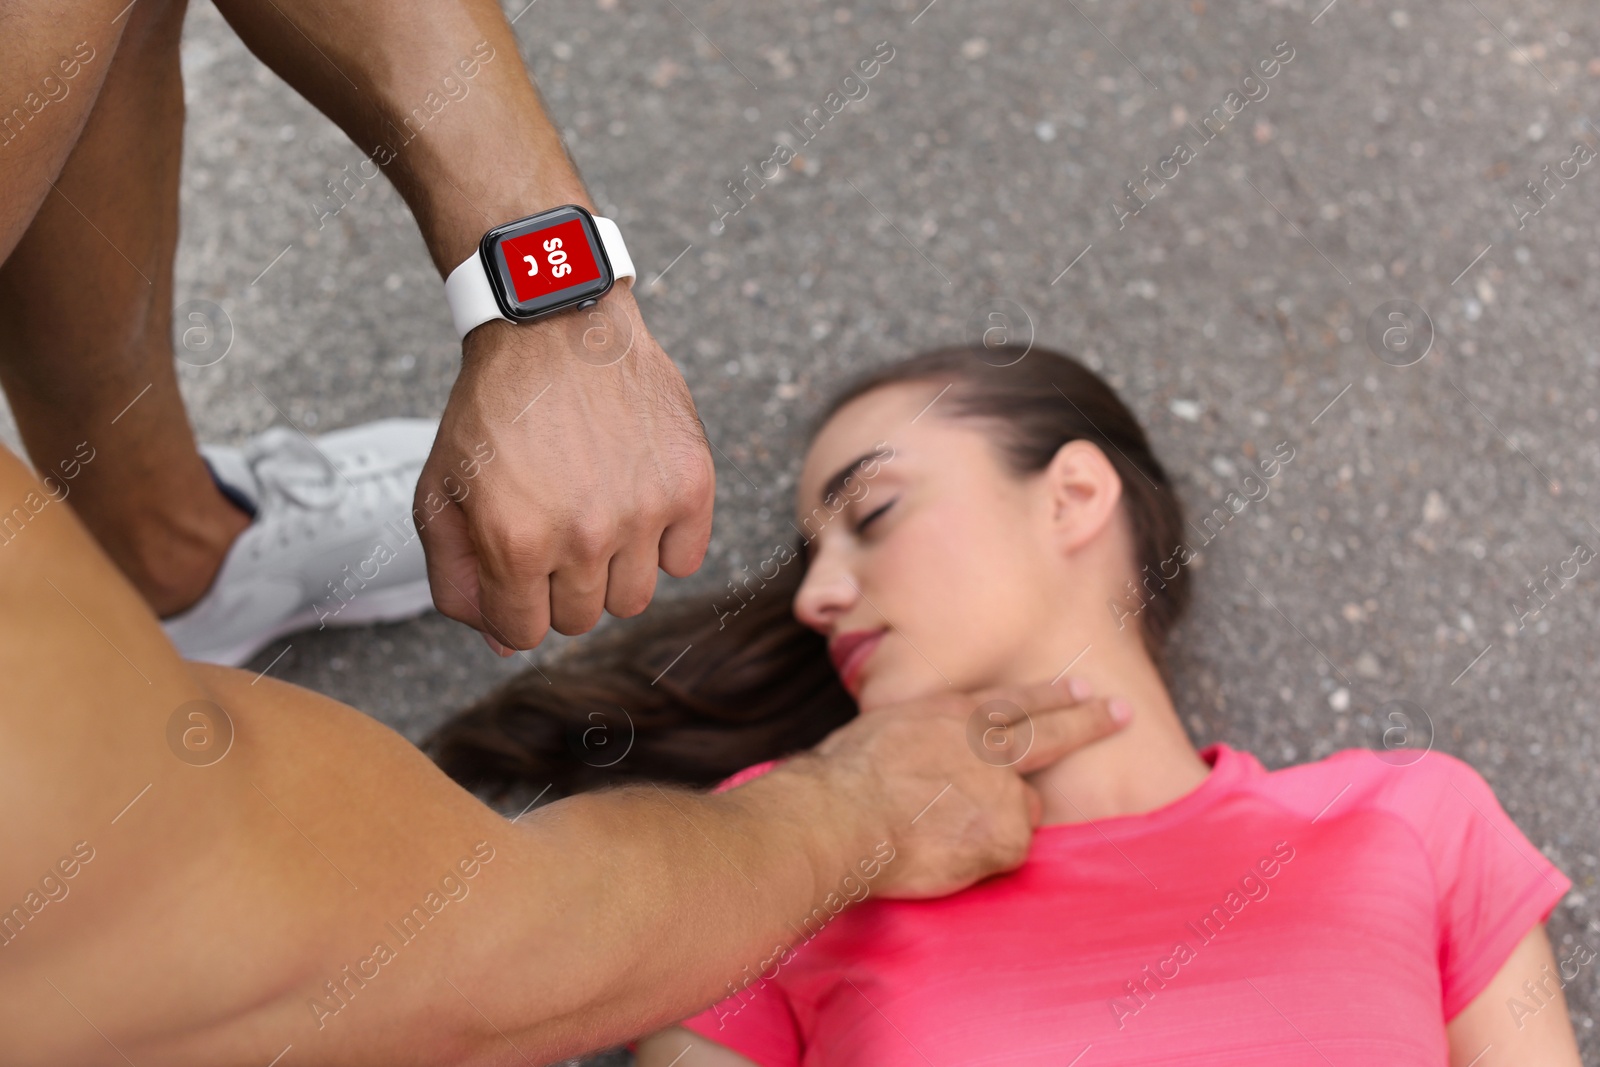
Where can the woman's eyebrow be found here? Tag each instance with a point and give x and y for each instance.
(842, 475)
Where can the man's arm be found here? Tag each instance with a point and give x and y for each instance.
(204, 867)
(609, 476)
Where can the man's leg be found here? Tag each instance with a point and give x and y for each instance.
(52, 62)
(86, 331)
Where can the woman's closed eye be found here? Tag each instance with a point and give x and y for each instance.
(864, 523)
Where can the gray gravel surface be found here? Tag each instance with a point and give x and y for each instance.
(1392, 558)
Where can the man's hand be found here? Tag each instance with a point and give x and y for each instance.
(569, 465)
(945, 775)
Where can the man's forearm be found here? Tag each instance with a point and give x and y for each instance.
(673, 900)
(436, 94)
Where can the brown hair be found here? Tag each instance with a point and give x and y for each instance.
(691, 693)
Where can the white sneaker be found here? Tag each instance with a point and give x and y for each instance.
(332, 543)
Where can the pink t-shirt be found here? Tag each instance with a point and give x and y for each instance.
(1339, 911)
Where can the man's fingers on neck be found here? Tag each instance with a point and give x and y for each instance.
(1059, 733)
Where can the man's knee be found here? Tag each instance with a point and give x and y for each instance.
(52, 86)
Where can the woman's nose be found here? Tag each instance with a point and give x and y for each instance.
(826, 594)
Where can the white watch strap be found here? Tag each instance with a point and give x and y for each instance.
(616, 251)
(472, 302)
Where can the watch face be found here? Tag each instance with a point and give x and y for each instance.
(545, 262)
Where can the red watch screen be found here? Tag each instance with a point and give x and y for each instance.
(550, 260)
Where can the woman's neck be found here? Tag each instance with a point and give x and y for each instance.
(1146, 765)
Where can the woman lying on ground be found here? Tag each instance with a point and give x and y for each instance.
(967, 524)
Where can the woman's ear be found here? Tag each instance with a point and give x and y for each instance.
(1084, 490)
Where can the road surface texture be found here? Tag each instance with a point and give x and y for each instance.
(1353, 265)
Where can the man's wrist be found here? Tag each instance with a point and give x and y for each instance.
(564, 331)
(836, 820)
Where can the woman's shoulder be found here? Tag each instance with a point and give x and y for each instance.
(1415, 784)
(1491, 883)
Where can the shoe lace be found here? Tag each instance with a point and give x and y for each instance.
(288, 466)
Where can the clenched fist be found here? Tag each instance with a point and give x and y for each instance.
(569, 466)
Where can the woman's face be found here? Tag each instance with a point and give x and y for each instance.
(932, 565)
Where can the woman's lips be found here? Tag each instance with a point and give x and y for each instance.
(849, 652)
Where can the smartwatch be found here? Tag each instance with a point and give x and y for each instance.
(537, 266)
